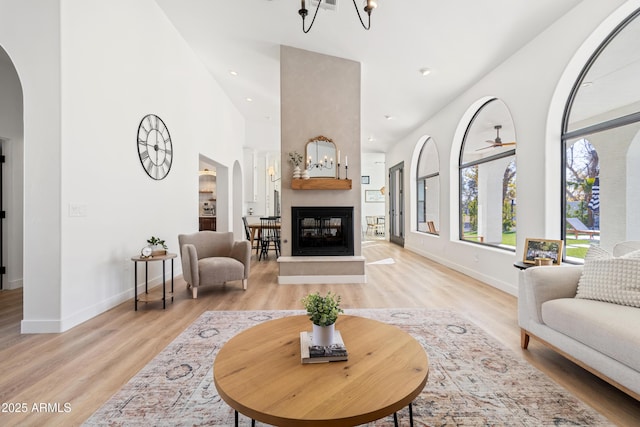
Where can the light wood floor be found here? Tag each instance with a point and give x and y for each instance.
(86, 365)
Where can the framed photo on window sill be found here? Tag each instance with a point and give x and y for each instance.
(542, 252)
(364, 179)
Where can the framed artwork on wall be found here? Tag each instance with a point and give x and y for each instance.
(365, 179)
(373, 196)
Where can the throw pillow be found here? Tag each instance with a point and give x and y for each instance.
(610, 279)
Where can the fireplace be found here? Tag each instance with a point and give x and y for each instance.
(322, 230)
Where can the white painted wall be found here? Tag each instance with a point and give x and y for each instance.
(534, 84)
(86, 87)
(30, 34)
(110, 80)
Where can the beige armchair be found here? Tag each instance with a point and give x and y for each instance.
(211, 257)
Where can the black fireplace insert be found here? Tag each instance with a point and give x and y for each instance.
(322, 230)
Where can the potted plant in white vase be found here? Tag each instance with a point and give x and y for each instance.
(296, 159)
(158, 246)
(323, 313)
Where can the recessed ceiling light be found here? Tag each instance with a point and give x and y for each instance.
(388, 117)
(249, 99)
(425, 71)
(233, 72)
(586, 84)
(370, 139)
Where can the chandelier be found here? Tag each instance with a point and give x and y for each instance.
(370, 5)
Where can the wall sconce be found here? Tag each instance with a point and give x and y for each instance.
(272, 174)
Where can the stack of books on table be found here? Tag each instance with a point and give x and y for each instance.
(310, 353)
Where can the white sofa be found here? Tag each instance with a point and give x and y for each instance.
(602, 337)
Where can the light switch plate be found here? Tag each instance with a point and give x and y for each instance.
(77, 210)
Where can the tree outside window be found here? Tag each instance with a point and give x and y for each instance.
(601, 146)
(488, 178)
(582, 170)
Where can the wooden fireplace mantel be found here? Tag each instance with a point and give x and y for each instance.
(321, 184)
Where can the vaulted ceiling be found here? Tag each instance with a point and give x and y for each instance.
(458, 41)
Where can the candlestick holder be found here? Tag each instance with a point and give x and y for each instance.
(338, 171)
(346, 172)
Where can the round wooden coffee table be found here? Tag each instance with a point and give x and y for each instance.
(259, 374)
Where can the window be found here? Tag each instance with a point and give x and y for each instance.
(488, 178)
(601, 146)
(428, 186)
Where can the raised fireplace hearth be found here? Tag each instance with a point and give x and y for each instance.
(322, 231)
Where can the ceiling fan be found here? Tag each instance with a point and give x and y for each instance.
(497, 142)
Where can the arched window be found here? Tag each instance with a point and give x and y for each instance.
(487, 178)
(601, 146)
(428, 188)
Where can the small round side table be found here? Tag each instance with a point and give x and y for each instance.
(147, 260)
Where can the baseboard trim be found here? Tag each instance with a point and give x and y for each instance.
(13, 284)
(57, 326)
(509, 288)
(40, 327)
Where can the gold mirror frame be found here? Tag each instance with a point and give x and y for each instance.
(320, 157)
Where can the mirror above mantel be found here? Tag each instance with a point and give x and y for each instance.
(320, 159)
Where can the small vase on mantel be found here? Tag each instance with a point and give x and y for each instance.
(296, 172)
(304, 174)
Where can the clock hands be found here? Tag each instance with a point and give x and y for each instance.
(155, 147)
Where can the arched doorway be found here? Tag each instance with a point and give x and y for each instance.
(11, 176)
(215, 192)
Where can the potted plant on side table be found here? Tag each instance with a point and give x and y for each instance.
(323, 312)
(158, 246)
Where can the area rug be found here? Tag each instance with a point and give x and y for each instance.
(473, 379)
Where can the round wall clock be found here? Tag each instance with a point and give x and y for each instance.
(154, 146)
